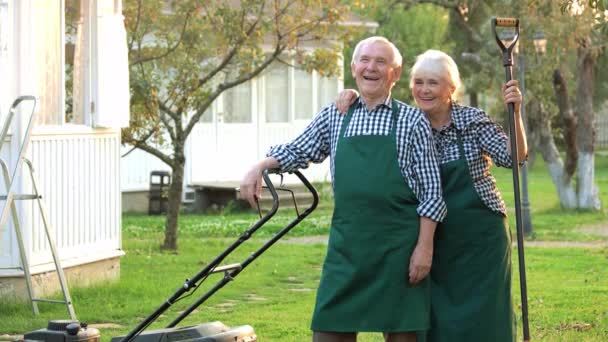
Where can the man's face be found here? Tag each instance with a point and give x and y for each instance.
(374, 70)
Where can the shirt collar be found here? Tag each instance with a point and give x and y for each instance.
(387, 102)
(457, 117)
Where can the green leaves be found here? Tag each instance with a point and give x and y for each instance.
(184, 54)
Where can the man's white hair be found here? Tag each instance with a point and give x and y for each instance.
(397, 59)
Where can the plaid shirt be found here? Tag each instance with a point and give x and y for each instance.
(484, 141)
(416, 153)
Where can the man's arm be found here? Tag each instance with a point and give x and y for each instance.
(312, 145)
(432, 208)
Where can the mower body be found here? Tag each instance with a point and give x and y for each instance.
(64, 331)
(206, 332)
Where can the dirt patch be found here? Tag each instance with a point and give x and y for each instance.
(307, 240)
(105, 326)
(600, 230)
(565, 244)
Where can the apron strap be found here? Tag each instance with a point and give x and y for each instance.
(460, 144)
(351, 110)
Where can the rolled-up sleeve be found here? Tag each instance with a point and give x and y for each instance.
(425, 171)
(313, 145)
(493, 140)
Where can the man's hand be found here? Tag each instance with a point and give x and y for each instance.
(251, 185)
(420, 262)
(422, 257)
(345, 99)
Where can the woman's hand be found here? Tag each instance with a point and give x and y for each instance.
(511, 94)
(345, 99)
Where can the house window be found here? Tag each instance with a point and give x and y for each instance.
(207, 116)
(3, 29)
(60, 58)
(46, 35)
(303, 104)
(276, 84)
(327, 91)
(237, 104)
(4, 34)
(77, 29)
(80, 62)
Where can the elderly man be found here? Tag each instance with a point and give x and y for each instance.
(387, 194)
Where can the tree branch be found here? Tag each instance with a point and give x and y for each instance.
(196, 117)
(137, 20)
(231, 53)
(170, 49)
(162, 116)
(142, 145)
(134, 142)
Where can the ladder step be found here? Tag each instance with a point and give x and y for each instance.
(21, 197)
(51, 301)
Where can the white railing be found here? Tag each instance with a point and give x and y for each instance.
(79, 179)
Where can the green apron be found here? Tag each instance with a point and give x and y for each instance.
(364, 283)
(471, 272)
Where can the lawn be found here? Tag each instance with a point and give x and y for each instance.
(549, 221)
(568, 291)
(568, 287)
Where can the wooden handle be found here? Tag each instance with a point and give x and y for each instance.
(507, 22)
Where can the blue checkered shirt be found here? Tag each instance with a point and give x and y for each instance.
(484, 141)
(416, 153)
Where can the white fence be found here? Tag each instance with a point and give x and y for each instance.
(78, 175)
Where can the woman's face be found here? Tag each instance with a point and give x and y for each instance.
(432, 92)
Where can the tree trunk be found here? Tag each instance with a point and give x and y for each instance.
(568, 122)
(175, 198)
(473, 100)
(588, 193)
(541, 124)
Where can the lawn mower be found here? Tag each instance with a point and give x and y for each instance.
(72, 331)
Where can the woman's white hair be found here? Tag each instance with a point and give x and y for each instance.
(439, 63)
(397, 58)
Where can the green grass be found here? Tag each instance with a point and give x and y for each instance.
(568, 289)
(567, 294)
(549, 221)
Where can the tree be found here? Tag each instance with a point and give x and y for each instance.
(575, 52)
(184, 54)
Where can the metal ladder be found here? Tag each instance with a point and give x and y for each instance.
(10, 209)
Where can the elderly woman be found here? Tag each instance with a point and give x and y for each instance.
(471, 269)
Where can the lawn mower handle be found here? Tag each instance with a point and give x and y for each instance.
(232, 270)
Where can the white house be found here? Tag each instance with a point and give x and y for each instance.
(72, 56)
(240, 127)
